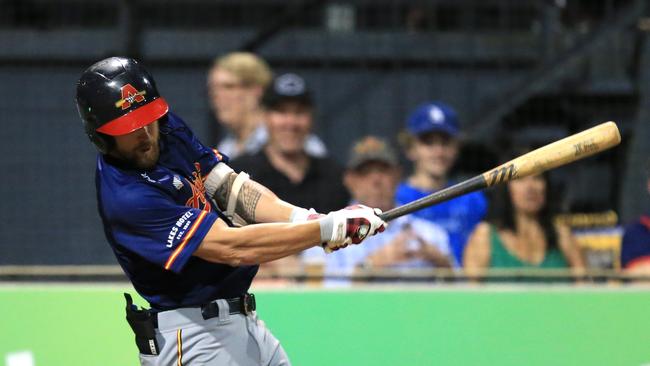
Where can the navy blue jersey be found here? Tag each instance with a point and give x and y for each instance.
(156, 219)
(458, 216)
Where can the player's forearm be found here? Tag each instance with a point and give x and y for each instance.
(253, 202)
(270, 208)
(260, 243)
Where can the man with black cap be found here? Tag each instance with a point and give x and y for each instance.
(283, 165)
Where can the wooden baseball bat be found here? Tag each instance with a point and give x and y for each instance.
(561, 152)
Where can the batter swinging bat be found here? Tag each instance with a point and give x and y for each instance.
(561, 152)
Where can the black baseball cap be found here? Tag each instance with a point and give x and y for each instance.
(287, 87)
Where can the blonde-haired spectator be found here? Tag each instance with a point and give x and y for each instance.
(236, 83)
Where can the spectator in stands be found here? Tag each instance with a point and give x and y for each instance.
(520, 231)
(432, 142)
(372, 176)
(236, 83)
(635, 249)
(283, 165)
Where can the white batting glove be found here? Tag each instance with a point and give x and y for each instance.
(350, 225)
(299, 214)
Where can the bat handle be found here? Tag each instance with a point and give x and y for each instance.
(388, 215)
(458, 189)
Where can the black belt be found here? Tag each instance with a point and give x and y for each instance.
(244, 304)
(144, 322)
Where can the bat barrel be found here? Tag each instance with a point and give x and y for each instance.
(558, 153)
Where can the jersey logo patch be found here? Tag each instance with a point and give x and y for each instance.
(178, 184)
(130, 95)
(146, 177)
(198, 199)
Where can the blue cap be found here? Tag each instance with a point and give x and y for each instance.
(433, 117)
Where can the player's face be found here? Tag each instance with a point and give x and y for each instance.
(289, 123)
(139, 148)
(528, 194)
(434, 153)
(373, 184)
(231, 100)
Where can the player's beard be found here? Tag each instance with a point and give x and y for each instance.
(143, 157)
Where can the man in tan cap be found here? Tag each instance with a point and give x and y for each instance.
(372, 175)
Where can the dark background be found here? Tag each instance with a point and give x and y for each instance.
(518, 72)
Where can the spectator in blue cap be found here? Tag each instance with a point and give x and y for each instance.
(431, 142)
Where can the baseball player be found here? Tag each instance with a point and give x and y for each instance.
(187, 230)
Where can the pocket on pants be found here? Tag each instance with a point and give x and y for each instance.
(266, 342)
(147, 360)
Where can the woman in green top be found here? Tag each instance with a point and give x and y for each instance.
(520, 232)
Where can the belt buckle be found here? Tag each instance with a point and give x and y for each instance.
(210, 310)
(248, 303)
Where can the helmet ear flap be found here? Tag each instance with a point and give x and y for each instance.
(102, 142)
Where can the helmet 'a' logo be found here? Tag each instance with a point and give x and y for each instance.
(130, 95)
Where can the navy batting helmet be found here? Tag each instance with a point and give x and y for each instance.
(116, 96)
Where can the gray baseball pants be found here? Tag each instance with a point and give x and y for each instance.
(185, 338)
